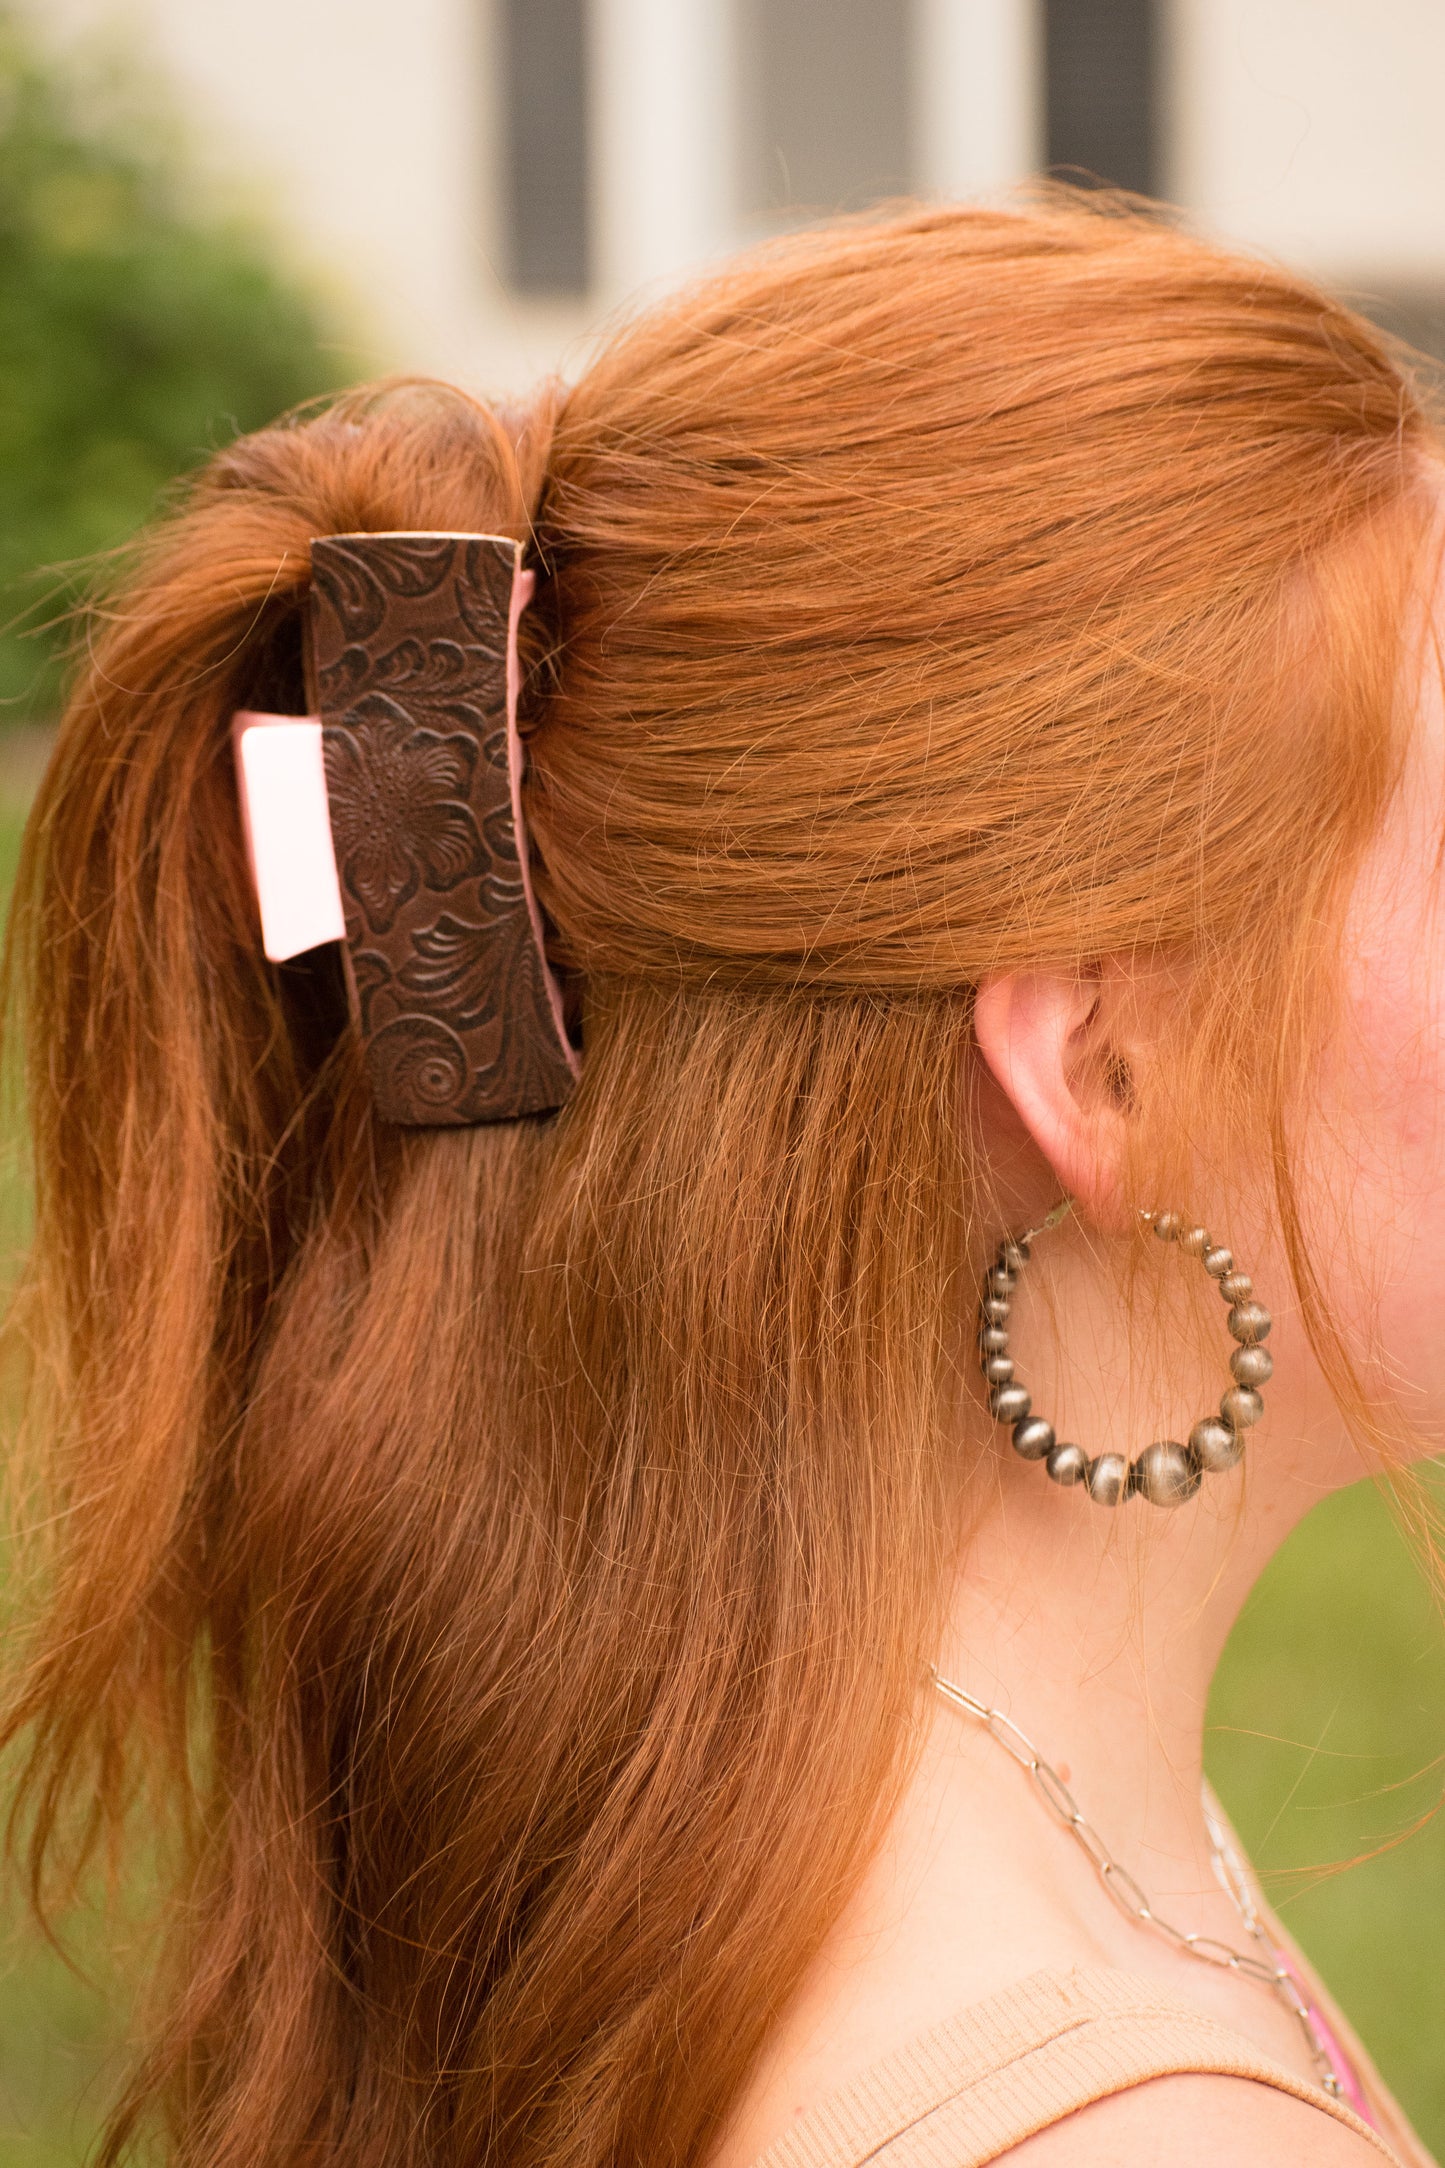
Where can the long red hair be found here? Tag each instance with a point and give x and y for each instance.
(504, 1558)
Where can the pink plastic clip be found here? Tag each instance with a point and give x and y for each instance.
(523, 587)
(281, 778)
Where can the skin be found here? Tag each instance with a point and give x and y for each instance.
(1099, 1633)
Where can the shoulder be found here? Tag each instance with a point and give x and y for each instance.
(1197, 2121)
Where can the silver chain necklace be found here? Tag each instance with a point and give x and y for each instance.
(1270, 1970)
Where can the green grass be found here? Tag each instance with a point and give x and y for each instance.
(1327, 1745)
(1327, 1741)
(59, 2035)
(59, 2056)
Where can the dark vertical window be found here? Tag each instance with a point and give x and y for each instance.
(825, 102)
(1101, 86)
(545, 147)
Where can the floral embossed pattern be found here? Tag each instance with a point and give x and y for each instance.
(409, 661)
(402, 797)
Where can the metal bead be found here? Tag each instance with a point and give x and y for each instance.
(1033, 1438)
(1165, 1473)
(1217, 1263)
(1241, 1407)
(1195, 1241)
(1236, 1287)
(1252, 1365)
(1249, 1322)
(995, 1309)
(998, 1369)
(993, 1339)
(1168, 1226)
(1013, 1256)
(1215, 1445)
(1000, 1281)
(1009, 1403)
(1107, 1478)
(1067, 1463)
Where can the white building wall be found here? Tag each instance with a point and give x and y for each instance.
(1312, 129)
(977, 112)
(663, 131)
(1315, 130)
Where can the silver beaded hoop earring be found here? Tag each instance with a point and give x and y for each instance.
(1166, 1472)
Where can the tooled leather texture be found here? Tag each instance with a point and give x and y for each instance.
(408, 662)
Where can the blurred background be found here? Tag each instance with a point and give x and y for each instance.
(211, 209)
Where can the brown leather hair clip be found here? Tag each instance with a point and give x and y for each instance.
(412, 678)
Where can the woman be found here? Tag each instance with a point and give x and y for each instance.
(550, 1554)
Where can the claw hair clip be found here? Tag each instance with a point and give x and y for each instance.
(390, 820)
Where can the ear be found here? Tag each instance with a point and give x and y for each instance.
(1056, 1043)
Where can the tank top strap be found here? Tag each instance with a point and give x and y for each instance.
(1011, 2065)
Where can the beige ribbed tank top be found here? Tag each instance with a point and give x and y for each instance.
(1010, 2066)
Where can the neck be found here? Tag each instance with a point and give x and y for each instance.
(1096, 1631)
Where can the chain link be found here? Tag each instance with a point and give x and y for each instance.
(1270, 1970)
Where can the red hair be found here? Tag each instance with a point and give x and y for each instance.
(508, 1555)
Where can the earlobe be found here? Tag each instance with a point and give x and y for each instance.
(1046, 1040)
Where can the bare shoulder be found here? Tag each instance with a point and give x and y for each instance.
(1196, 2121)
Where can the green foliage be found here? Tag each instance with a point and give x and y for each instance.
(134, 337)
(1326, 1748)
(62, 2059)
